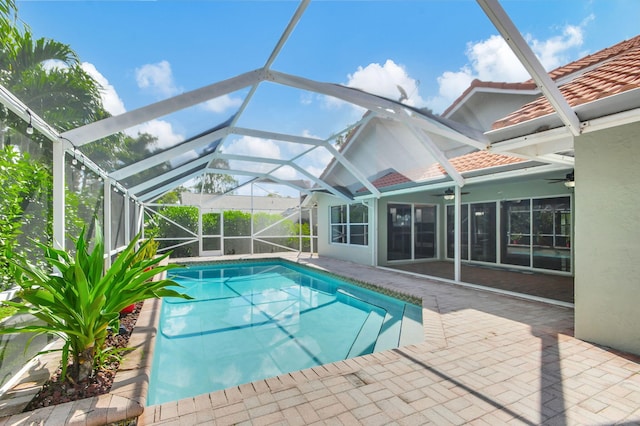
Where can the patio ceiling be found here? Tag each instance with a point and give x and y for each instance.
(438, 140)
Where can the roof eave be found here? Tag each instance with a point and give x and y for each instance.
(589, 111)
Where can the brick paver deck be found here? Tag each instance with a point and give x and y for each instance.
(487, 359)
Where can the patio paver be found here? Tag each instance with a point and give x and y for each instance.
(486, 359)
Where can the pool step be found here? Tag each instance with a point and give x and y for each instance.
(366, 339)
(412, 330)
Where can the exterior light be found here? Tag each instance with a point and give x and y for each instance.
(449, 195)
(570, 181)
(29, 126)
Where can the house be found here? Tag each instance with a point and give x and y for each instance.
(538, 198)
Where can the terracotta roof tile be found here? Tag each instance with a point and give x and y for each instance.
(482, 160)
(620, 73)
(595, 58)
(390, 179)
(558, 73)
(473, 161)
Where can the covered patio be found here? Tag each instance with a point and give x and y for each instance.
(557, 288)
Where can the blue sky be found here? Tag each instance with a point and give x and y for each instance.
(146, 51)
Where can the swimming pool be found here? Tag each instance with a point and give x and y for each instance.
(251, 321)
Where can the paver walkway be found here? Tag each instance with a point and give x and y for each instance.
(487, 359)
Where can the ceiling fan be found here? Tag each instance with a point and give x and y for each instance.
(569, 180)
(449, 194)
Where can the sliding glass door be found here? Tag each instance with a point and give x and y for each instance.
(537, 233)
(411, 231)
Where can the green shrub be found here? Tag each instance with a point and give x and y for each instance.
(83, 301)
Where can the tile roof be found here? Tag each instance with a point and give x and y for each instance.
(465, 163)
(602, 55)
(482, 160)
(619, 72)
(558, 73)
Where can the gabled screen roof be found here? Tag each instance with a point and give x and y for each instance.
(274, 111)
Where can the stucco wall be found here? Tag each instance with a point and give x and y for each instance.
(607, 238)
(350, 253)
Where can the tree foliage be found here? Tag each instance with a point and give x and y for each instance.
(21, 183)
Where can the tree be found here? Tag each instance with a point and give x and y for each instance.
(47, 76)
(215, 183)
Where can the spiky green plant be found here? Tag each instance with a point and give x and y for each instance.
(82, 301)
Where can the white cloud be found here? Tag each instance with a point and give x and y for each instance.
(158, 78)
(287, 173)
(222, 103)
(163, 130)
(389, 80)
(553, 52)
(252, 146)
(111, 101)
(386, 80)
(316, 160)
(493, 60)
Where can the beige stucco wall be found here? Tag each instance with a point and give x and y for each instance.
(607, 238)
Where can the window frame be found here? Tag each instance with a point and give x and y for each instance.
(346, 227)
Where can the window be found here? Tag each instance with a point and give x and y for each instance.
(516, 232)
(537, 233)
(349, 224)
(411, 231)
(477, 232)
(534, 232)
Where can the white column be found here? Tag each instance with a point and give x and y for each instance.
(200, 233)
(106, 228)
(251, 218)
(373, 231)
(300, 222)
(58, 196)
(456, 234)
(311, 247)
(127, 219)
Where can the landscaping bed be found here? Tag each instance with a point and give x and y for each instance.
(55, 391)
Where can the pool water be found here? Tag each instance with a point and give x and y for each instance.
(254, 321)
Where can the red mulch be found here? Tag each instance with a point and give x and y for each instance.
(56, 392)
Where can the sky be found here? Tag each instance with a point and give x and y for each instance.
(145, 51)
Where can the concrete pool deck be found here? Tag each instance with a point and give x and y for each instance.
(486, 359)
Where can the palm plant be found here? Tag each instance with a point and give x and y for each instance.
(82, 302)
